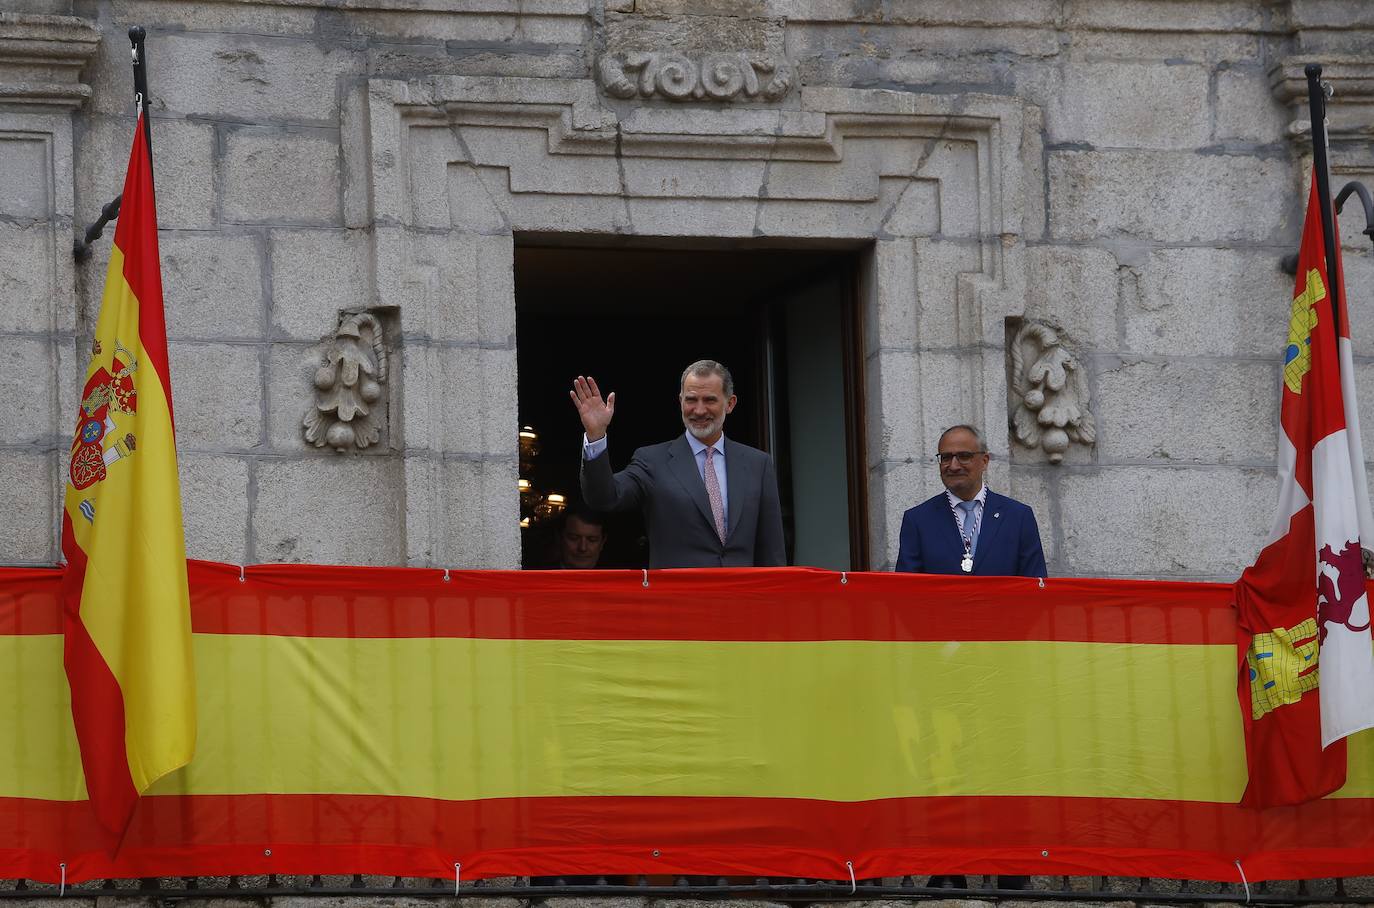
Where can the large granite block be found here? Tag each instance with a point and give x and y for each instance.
(281, 176)
(316, 274)
(1190, 411)
(1246, 109)
(26, 195)
(1209, 301)
(231, 76)
(1206, 522)
(1105, 105)
(212, 285)
(891, 318)
(939, 266)
(28, 393)
(28, 534)
(1037, 487)
(480, 503)
(214, 506)
(217, 391)
(1075, 288)
(479, 414)
(327, 509)
(1212, 47)
(27, 288)
(1167, 196)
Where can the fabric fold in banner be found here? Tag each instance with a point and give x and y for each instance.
(126, 605)
(1306, 678)
(774, 722)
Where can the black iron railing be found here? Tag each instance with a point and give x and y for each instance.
(1354, 890)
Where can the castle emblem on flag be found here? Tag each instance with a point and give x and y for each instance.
(1283, 666)
(1297, 356)
(109, 396)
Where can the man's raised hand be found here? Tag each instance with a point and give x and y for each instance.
(595, 413)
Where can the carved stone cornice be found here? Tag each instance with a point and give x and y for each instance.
(715, 76)
(1349, 111)
(41, 58)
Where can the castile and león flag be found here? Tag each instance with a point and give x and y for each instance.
(1306, 666)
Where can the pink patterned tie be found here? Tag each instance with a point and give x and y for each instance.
(713, 494)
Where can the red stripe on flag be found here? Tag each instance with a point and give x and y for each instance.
(791, 604)
(215, 835)
(780, 604)
(136, 237)
(97, 706)
(30, 601)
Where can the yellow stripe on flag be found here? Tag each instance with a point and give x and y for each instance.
(134, 601)
(840, 720)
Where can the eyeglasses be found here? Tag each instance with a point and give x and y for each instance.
(964, 457)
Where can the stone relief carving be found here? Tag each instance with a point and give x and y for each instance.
(1050, 391)
(727, 76)
(347, 413)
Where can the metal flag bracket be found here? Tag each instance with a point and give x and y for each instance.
(81, 249)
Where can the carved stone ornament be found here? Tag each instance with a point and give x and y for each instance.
(728, 76)
(349, 384)
(1050, 393)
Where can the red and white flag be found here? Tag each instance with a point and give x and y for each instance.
(1307, 662)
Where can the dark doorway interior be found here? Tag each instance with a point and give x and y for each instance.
(633, 318)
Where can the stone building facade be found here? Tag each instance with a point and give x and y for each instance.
(1104, 187)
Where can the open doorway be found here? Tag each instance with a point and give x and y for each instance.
(786, 323)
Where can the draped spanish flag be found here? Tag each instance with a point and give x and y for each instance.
(126, 623)
(754, 721)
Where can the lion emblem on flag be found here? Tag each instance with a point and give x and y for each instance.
(1340, 584)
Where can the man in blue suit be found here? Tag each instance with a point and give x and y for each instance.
(969, 529)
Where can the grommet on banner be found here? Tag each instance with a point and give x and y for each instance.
(62, 888)
(853, 884)
(1042, 583)
(646, 577)
(457, 877)
(446, 580)
(844, 577)
(242, 579)
(1244, 881)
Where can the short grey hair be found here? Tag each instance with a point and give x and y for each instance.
(704, 367)
(977, 436)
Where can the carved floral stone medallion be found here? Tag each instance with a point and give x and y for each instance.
(717, 76)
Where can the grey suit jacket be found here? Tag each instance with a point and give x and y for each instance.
(663, 482)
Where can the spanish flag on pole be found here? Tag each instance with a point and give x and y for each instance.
(126, 608)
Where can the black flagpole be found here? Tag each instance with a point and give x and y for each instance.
(136, 36)
(82, 248)
(1316, 101)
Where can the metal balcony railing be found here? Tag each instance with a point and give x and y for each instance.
(1351, 890)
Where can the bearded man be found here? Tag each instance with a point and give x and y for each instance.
(706, 501)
